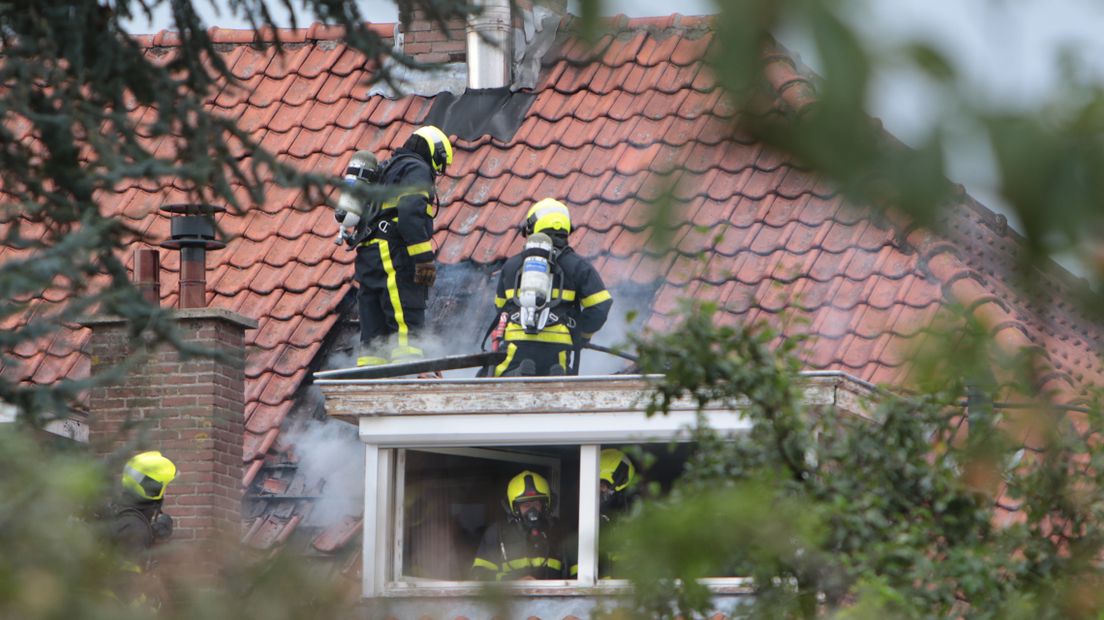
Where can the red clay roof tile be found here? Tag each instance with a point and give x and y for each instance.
(602, 136)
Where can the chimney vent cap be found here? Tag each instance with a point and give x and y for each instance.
(192, 227)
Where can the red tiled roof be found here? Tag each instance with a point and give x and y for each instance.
(608, 135)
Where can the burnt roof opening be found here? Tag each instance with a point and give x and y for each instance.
(497, 112)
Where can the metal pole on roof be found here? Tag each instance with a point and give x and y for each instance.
(147, 274)
(488, 49)
(192, 231)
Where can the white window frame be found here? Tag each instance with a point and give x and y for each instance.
(552, 464)
(395, 414)
(385, 436)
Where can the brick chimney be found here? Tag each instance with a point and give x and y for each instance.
(425, 41)
(190, 408)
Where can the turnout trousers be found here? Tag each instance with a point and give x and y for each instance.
(534, 359)
(392, 307)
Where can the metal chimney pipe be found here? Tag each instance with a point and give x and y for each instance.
(147, 274)
(489, 39)
(193, 233)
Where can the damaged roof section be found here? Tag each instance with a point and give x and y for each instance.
(495, 112)
(611, 128)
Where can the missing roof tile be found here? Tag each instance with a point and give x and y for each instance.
(497, 112)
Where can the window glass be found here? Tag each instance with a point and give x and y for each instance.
(629, 474)
(455, 509)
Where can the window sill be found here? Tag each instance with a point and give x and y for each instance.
(546, 588)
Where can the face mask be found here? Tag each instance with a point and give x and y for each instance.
(534, 519)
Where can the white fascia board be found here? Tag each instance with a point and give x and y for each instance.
(70, 427)
(534, 429)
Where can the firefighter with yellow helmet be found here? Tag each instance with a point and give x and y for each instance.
(526, 545)
(616, 477)
(136, 523)
(395, 265)
(552, 299)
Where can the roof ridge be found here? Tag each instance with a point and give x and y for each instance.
(963, 284)
(623, 23)
(221, 36)
(318, 31)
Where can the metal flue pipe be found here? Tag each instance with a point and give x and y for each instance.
(489, 44)
(193, 233)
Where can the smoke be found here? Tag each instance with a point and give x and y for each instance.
(632, 305)
(331, 462)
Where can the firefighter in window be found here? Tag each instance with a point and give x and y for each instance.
(616, 477)
(551, 300)
(526, 544)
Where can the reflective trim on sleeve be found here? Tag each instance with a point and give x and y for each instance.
(499, 302)
(501, 368)
(481, 563)
(394, 202)
(595, 299)
(420, 248)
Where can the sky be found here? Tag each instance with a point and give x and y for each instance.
(1005, 51)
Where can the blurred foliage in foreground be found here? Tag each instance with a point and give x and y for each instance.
(56, 563)
(893, 515)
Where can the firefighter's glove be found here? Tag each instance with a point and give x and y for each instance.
(162, 526)
(425, 274)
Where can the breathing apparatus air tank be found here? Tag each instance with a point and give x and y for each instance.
(363, 171)
(534, 289)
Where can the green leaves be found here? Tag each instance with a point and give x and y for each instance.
(827, 514)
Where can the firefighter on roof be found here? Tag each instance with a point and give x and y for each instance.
(554, 300)
(526, 545)
(395, 255)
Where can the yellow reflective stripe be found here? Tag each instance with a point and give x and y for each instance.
(403, 353)
(552, 563)
(555, 334)
(499, 302)
(481, 563)
(419, 248)
(393, 291)
(394, 202)
(567, 294)
(574, 570)
(563, 360)
(595, 299)
(370, 360)
(501, 368)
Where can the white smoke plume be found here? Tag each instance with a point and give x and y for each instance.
(331, 460)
